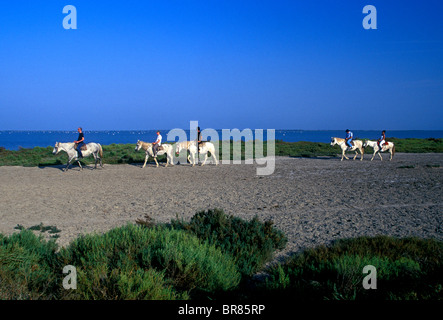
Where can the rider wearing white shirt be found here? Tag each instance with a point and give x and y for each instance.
(157, 143)
(381, 140)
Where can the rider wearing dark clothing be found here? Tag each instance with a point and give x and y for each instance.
(80, 142)
(199, 136)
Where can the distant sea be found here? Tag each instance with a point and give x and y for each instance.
(14, 140)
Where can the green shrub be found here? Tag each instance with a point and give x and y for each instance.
(407, 268)
(174, 264)
(27, 265)
(251, 243)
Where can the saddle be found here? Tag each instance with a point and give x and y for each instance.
(82, 148)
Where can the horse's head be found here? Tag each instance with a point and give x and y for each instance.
(333, 141)
(56, 148)
(365, 144)
(138, 145)
(177, 148)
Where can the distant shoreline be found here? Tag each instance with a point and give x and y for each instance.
(126, 154)
(28, 139)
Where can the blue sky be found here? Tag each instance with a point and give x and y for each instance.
(228, 64)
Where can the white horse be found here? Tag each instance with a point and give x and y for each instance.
(204, 148)
(91, 148)
(387, 146)
(190, 146)
(163, 149)
(358, 145)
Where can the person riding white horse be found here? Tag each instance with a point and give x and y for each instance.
(148, 147)
(358, 145)
(92, 148)
(387, 146)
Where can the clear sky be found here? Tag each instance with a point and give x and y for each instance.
(226, 63)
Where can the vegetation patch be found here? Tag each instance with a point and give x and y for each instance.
(212, 256)
(407, 269)
(251, 243)
(125, 153)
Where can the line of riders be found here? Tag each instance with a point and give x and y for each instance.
(156, 145)
(380, 142)
(349, 144)
(75, 150)
(79, 149)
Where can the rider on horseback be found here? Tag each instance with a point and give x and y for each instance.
(381, 140)
(199, 136)
(80, 141)
(157, 144)
(349, 137)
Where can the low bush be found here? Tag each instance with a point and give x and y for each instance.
(27, 265)
(251, 243)
(407, 268)
(133, 262)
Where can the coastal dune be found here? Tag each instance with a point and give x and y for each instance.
(312, 200)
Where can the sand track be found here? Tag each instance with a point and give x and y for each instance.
(314, 201)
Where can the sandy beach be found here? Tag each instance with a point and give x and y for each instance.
(314, 201)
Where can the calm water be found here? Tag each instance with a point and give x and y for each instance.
(13, 140)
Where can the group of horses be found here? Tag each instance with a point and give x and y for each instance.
(360, 146)
(96, 150)
(204, 148)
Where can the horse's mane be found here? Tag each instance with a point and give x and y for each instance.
(70, 144)
(145, 144)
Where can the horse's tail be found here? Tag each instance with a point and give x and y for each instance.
(100, 150)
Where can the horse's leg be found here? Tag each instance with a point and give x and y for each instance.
(381, 158)
(215, 158)
(100, 160)
(356, 154)
(96, 158)
(171, 159)
(344, 155)
(67, 165)
(191, 158)
(390, 151)
(206, 157)
(155, 158)
(146, 160)
(81, 168)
